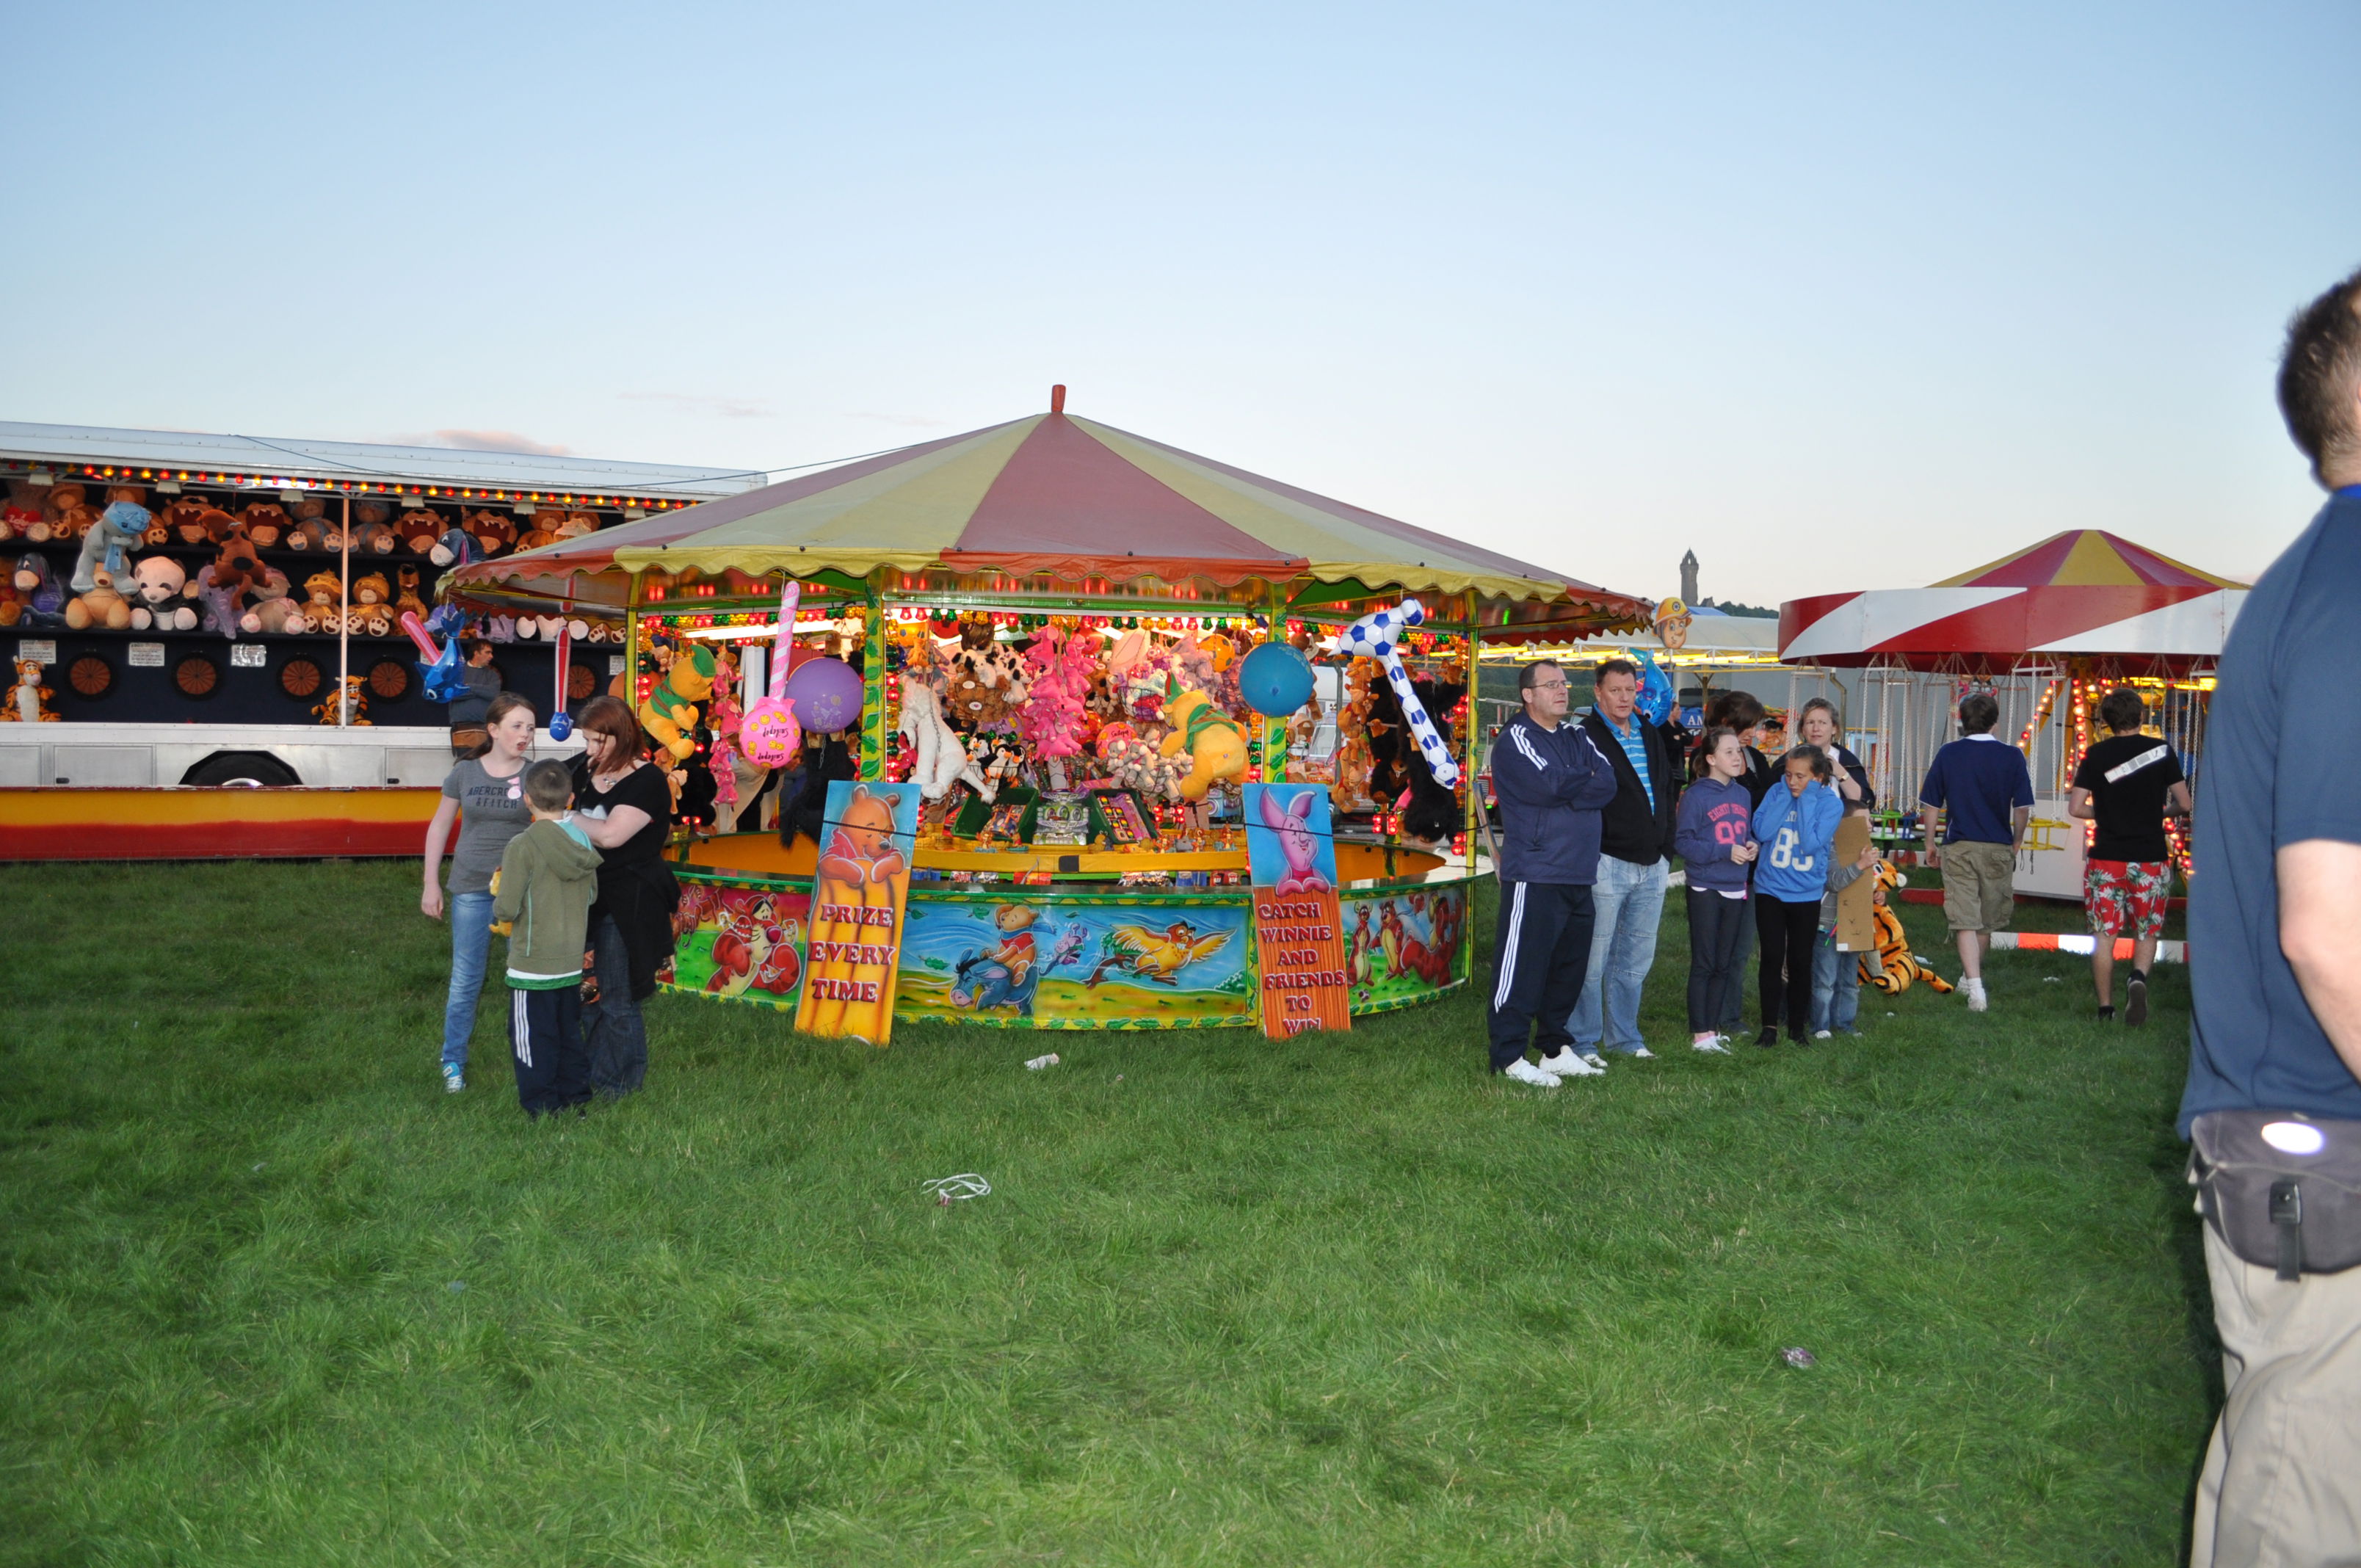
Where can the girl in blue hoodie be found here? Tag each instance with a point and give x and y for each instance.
(1795, 831)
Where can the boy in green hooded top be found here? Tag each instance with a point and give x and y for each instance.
(548, 878)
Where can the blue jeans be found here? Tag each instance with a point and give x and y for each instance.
(471, 915)
(1627, 903)
(1836, 985)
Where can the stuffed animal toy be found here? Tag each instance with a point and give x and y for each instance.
(941, 758)
(266, 524)
(541, 527)
(371, 530)
(499, 628)
(44, 597)
(12, 603)
(576, 524)
(100, 605)
(1378, 635)
(983, 681)
(160, 595)
(373, 612)
(493, 533)
(134, 495)
(67, 516)
(15, 520)
(1134, 762)
(189, 521)
(120, 528)
(1051, 715)
(1215, 745)
(456, 547)
(1898, 965)
(406, 599)
(325, 601)
(356, 702)
(28, 699)
(419, 529)
(669, 714)
(223, 584)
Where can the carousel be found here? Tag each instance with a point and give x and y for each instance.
(1054, 726)
(2048, 630)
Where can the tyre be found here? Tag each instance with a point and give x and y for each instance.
(242, 769)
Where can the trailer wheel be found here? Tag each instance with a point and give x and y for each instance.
(241, 770)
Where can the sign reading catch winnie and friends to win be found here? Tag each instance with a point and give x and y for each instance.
(1299, 927)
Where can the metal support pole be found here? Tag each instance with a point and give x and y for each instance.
(345, 622)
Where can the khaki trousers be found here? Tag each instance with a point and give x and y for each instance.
(2281, 1487)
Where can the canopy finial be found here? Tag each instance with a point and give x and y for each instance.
(1057, 399)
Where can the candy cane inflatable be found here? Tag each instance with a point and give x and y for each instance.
(561, 723)
(1375, 636)
(769, 735)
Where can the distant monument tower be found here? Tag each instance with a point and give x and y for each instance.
(1688, 578)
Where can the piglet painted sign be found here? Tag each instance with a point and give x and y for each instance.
(1298, 930)
(853, 953)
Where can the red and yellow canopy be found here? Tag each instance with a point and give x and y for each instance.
(2086, 558)
(1059, 496)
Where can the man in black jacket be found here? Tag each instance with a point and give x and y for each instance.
(1635, 836)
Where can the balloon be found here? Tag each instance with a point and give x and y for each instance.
(768, 735)
(826, 694)
(1275, 680)
(1376, 635)
(561, 723)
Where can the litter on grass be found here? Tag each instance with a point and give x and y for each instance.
(1796, 1355)
(458, 1286)
(1037, 1063)
(949, 1190)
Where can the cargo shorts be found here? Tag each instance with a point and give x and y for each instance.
(1979, 885)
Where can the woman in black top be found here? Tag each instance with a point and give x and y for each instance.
(1819, 728)
(620, 799)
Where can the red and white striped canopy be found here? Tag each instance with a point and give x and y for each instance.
(2085, 593)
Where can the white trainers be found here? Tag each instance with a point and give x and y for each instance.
(1820, 1034)
(1594, 1059)
(1642, 1053)
(1565, 1064)
(1524, 1071)
(1714, 1046)
(1975, 993)
(453, 1080)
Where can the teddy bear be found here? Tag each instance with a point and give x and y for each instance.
(419, 528)
(542, 529)
(371, 530)
(109, 542)
(266, 524)
(371, 614)
(406, 599)
(323, 601)
(68, 514)
(28, 700)
(493, 533)
(185, 520)
(576, 524)
(99, 605)
(160, 595)
(222, 583)
(43, 597)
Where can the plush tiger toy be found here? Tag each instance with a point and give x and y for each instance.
(1900, 965)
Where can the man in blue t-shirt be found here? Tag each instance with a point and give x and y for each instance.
(2274, 956)
(1981, 786)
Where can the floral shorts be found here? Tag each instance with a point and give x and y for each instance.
(2125, 898)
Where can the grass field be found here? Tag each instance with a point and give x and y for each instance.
(270, 1297)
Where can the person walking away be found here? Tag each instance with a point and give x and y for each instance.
(1741, 711)
(1984, 790)
(1714, 836)
(2275, 1045)
(626, 808)
(481, 680)
(484, 794)
(549, 874)
(1635, 833)
(2126, 783)
(1795, 831)
(1551, 782)
(1836, 977)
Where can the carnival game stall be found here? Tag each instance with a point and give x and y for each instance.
(1034, 711)
(2048, 630)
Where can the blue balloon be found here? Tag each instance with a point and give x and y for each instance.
(1275, 680)
(561, 725)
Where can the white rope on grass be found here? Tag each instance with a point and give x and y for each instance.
(958, 1189)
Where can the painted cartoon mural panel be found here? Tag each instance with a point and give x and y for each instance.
(1050, 964)
(739, 943)
(1403, 945)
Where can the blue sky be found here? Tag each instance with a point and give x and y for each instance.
(1839, 296)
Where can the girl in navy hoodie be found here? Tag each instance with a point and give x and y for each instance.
(1796, 830)
(1713, 838)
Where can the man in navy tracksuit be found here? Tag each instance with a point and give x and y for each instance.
(1552, 779)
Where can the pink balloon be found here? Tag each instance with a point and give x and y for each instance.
(769, 735)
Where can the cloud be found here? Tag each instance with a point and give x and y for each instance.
(728, 408)
(485, 441)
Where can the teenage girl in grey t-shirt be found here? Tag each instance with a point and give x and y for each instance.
(486, 795)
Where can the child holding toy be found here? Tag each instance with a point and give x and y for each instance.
(549, 874)
(1796, 829)
(1713, 835)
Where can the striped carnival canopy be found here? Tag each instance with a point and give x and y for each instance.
(2083, 593)
(1055, 503)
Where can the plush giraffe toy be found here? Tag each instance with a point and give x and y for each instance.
(1375, 636)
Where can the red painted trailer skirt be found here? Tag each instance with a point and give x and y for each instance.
(200, 823)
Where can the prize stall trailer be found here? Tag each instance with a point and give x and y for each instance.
(1077, 770)
(2048, 632)
(1067, 704)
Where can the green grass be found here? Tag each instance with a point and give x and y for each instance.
(269, 1297)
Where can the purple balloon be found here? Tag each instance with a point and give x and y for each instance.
(826, 694)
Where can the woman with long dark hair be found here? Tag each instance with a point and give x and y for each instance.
(485, 792)
(620, 799)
